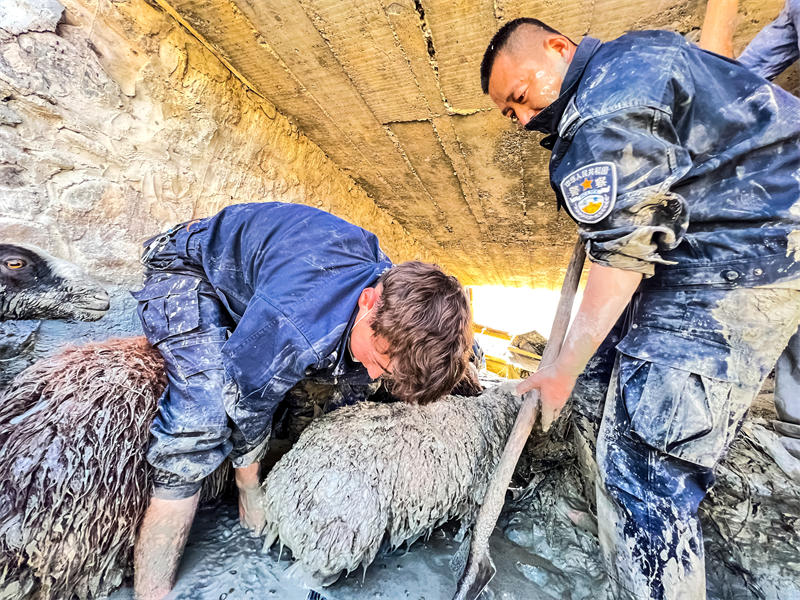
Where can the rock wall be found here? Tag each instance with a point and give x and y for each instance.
(115, 122)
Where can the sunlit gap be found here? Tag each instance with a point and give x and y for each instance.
(500, 313)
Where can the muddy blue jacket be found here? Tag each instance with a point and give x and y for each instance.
(677, 163)
(777, 45)
(290, 276)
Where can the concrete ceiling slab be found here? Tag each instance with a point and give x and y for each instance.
(390, 90)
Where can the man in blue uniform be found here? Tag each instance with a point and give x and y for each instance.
(770, 53)
(776, 46)
(245, 304)
(681, 170)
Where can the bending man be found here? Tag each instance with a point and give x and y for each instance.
(245, 304)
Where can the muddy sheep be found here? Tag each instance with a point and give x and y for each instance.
(33, 286)
(379, 475)
(74, 482)
(36, 285)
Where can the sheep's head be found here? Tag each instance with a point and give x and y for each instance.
(36, 285)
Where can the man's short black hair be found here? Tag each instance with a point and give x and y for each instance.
(500, 40)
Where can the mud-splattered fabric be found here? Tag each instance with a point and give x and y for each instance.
(191, 433)
(686, 373)
(776, 46)
(243, 306)
(706, 158)
(787, 397)
(772, 51)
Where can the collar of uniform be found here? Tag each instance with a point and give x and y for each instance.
(547, 120)
(343, 360)
(339, 366)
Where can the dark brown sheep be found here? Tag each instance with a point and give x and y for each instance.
(74, 482)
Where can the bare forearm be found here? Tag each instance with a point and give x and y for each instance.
(159, 545)
(608, 291)
(719, 26)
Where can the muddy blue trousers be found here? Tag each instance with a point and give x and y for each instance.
(685, 374)
(787, 391)
(192, 433)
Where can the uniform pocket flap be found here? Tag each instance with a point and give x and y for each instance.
(198, 353)
(168, 306)
(673, 407)
(166, 286)
(685, 352)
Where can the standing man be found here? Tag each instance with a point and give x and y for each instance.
(681, 170)
(245, 304)
(770, 53)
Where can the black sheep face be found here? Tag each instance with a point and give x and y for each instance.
(36, 285)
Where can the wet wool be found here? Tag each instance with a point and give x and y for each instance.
(374, 476)
(74, 482)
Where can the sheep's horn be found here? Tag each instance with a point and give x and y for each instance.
(480, 568)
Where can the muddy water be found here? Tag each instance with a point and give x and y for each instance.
(223, 562)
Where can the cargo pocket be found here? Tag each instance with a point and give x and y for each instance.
(168, 306)
(679, 404)
(200, 353)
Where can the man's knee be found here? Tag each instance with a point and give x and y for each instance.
(647, 514)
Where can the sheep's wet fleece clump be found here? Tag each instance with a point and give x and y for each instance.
(383, 474)
(74, 482)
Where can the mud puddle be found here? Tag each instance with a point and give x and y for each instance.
(223, 562)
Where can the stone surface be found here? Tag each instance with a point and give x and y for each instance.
(18, 16)
(131, 115)
(120, 122)
(389, 89)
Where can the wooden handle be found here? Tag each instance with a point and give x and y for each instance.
(495, 494)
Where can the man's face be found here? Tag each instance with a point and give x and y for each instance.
(370, 350)
(526, 79)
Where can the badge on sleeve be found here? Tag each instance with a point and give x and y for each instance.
(591, 191)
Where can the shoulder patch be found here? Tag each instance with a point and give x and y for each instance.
(591, 191)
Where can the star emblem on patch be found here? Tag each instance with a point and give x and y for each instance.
(590, 191)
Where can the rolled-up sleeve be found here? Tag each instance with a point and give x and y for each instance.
(776, 46)
(631, 157)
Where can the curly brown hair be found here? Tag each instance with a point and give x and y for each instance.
(424, 315)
